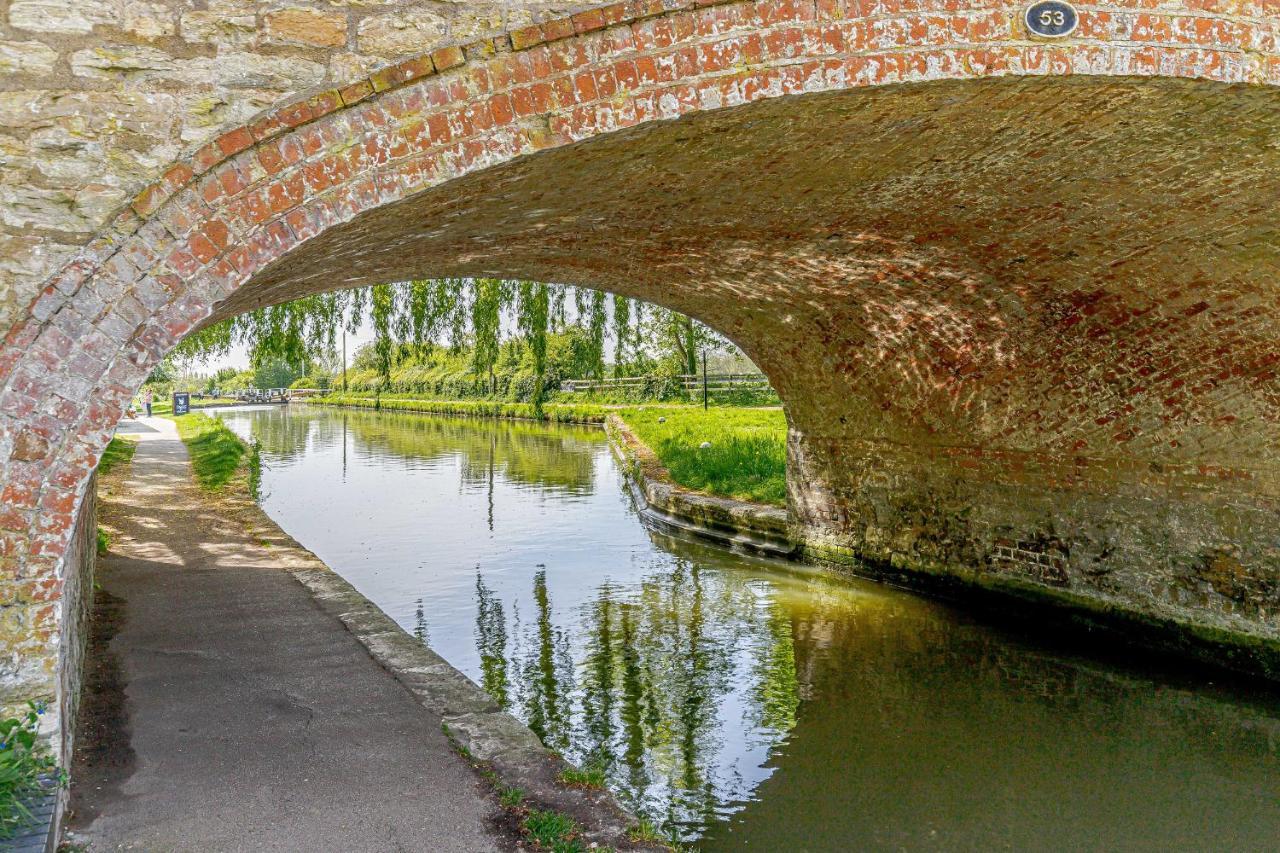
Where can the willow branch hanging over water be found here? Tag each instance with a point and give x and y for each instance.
(417, 315)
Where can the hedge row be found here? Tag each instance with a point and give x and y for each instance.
(553, 412)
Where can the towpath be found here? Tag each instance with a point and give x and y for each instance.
(225, 710)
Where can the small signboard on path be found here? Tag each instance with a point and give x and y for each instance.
(181, 403)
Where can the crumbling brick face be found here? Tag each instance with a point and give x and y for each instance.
(1017, 295)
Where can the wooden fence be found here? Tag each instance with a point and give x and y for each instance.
(690, 382)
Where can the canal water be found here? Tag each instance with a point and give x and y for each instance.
(747, 704)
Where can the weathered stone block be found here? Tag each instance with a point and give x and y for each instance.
(62, 16)
(149, 20)
(402, 32)
(26, 57)
(223, 23)
(302, 25)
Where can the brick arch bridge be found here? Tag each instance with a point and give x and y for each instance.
(1018, 296)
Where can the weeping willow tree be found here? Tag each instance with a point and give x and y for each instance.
(455, 312)
(486, 321)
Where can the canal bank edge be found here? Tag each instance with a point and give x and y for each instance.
(487, 736)
(734, 524)
(769, 530)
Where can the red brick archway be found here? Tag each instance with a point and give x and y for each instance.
(292, 203)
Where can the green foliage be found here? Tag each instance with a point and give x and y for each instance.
(511, 797)
(220, 378)
(646, 830)
(486, 315)
(621, 335)
(163, 374)
(118, 452)
(591, 776)
(103, 542)
(511, 369)
(216, 452)
(553, 412)
(274, 373)
(747, 459)
(509, 373)
(595, 332)
(410, 320)
(533, 317)
(25, 767)
(552, 831)
(383, 299)
(319, 381)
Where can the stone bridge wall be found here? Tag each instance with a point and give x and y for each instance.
(98, 97)
(1019, 297)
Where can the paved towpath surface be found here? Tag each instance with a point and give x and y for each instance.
(226, 711)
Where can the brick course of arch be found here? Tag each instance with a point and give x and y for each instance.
(925, 439)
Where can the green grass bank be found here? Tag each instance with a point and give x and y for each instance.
(218, 455)
(727, 452)
(118, 453)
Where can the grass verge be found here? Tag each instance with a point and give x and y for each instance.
(118, 453)
(746, 458)
(544, 829)
(218, 455)
(553, 831)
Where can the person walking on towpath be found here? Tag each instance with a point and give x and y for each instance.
(146, 400)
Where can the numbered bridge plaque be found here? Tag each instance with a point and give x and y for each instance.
(1051, 18)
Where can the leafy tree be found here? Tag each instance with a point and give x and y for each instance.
(274, 373)
(164, 374)
(679, 339)
(486, 317)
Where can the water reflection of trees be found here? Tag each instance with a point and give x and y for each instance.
(559, 458)
(491, 643)
(661, 680)
(279, 434)
(679, 686)
(554, 457)
(654, 666)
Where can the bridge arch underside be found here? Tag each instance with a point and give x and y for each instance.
(1023, 326)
